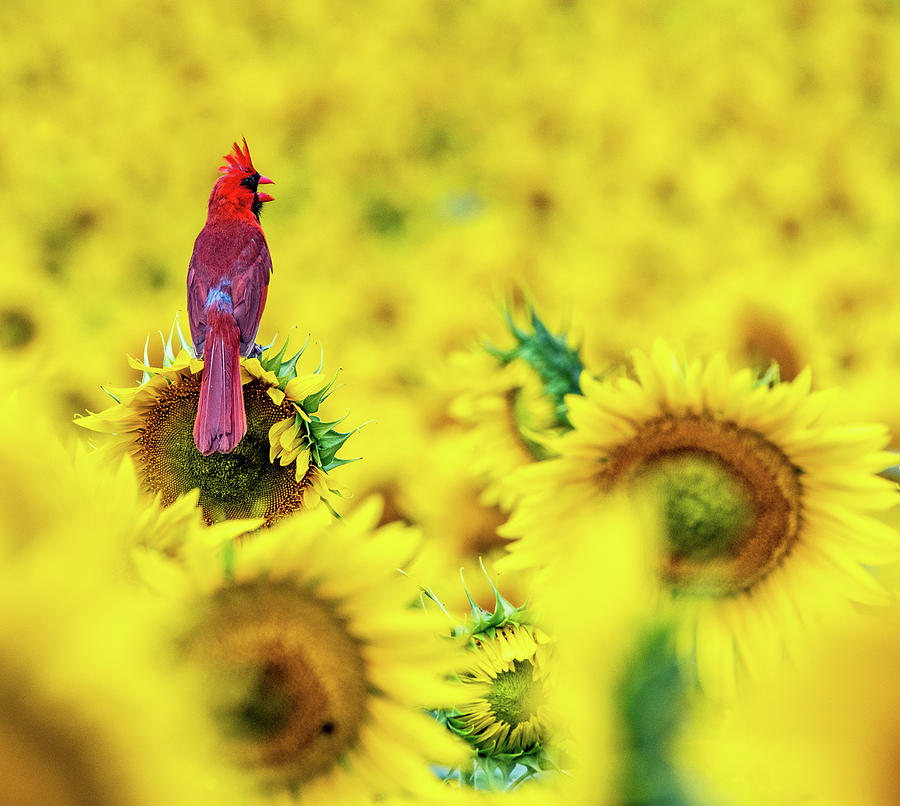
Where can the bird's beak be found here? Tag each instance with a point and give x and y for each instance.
(264, 180)
(264, 197)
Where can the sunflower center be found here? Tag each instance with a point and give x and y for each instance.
(240, 484)
(504, 716)
(295, 683)
(515, 694)
(261, 709)
(707, 510)
(732, 499)
(224, 477)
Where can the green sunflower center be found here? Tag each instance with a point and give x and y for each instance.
(240, 484)
(707, 510)
(515, 694)
(224, 477)
(732, 499)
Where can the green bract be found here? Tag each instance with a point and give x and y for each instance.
(557, 365)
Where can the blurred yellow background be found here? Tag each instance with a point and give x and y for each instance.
(722, 174)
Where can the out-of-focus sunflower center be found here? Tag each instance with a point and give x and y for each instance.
(731, 499)
(295, 684)
(240, 484)
(764, 341)
(515, 694)
(17, 328)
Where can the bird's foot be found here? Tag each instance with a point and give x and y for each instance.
(256, 351)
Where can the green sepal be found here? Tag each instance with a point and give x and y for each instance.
(322, 440)
(228, 559)
(503, 772)
(182, 341)
(335, 462)
(168, 352)
(284, 370)
(771, 377)
(272, 362)
(558, 365)
(145, 376)
(319, 428)
(312, 402)
(482, 622)
(325, 442)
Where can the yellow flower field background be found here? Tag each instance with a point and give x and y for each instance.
(694, 202)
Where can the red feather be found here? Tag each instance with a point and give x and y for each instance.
(221, 419)
(227, 284)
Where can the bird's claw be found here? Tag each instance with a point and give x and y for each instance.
(256, 351)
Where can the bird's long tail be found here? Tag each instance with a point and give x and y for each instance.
(221, 420)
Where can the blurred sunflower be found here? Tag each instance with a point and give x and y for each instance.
(766, 500)
(77, 670)
(618, 697)
(825, 730)
(459, 531)
(153, 424)
(318, 665)
(513, 400)
(83, 652)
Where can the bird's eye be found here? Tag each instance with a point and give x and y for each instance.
(251, 182)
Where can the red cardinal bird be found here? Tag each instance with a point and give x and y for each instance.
(227, 282)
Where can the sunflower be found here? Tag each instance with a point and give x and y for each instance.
(766, 500)
(504, 717)
(78, 669)
(317, 664)
(506, 671)
(280, 467)
(513, 401)
(83, 651)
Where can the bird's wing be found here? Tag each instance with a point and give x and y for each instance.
(197, 292)
(249, 286)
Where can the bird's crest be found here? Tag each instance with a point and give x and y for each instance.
(238, 161)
